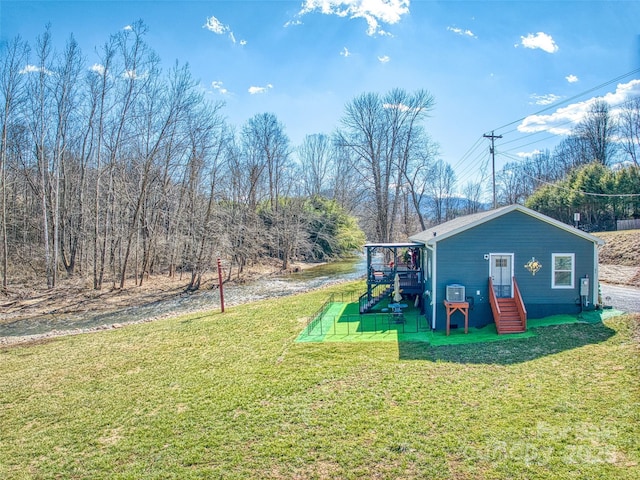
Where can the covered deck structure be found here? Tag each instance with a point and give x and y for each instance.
(384, 262)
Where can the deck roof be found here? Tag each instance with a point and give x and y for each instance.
(394, 245)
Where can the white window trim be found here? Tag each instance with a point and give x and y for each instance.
(553, 270)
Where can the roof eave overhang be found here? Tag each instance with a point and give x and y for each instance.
(511, 208)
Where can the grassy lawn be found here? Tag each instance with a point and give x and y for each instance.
(234, 396)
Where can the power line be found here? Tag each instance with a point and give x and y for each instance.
(481, 161)
(469, 152)
(477, 159)
(575, 97)
(573, 190)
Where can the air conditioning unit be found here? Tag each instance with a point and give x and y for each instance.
(455, 293)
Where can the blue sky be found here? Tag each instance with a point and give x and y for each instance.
(489, 65)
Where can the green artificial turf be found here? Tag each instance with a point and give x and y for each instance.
(233, 396)
(341, 322)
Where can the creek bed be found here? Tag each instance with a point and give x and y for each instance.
(51, 325)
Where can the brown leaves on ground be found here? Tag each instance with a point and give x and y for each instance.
(76, 295)
(620, 248)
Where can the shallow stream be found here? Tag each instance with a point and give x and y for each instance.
(316, 277)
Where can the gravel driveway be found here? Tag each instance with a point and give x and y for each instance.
(621, 297)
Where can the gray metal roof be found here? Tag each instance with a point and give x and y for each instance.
(445, 230)
(395, 245)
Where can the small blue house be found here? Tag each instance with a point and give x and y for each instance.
(505, 265)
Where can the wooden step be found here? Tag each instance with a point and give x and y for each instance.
(510, 321)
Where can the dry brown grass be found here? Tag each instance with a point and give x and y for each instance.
(620, 257)
(620, 248)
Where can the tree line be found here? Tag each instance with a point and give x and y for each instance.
(117, 170)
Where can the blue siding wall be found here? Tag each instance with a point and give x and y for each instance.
(460, 259)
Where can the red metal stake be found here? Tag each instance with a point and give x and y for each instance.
(220, 286)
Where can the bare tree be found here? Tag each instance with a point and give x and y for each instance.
(511, 184)
(66, 86)
(209, 139)
(143, 98)
(13, 59)
(267, 155)
(117, 169)
(101, 82)
(441, 189)
(379, 131)
(39, 113)
(629, 123)
(243, 233)
(417, 177)
(316, 162)
(268, 146)
(597, 132)
(344, 185)
(472, 193)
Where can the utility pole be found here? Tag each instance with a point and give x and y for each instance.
(492, 151)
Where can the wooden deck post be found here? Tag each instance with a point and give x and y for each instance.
(220, 286)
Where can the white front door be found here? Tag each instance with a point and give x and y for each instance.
(501, 272)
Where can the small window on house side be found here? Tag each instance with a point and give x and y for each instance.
(563, 270)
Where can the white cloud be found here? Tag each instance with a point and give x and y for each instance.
(562, 121)
(216, 26)
(29, 69)
(374, 12)
(401, 107)
(293, 23)
(572, 78)
(464, 33)
(258, 90)
(345, 52)
(384, 59)
(529, 154)
(133, 75)
(217, 86)
(540, 40)
(34, 69)
(128, 28)
(97, 68)
(547, 99)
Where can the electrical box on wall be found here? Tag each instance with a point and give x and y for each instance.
(584, 287)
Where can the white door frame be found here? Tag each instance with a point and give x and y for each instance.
(511, 256)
